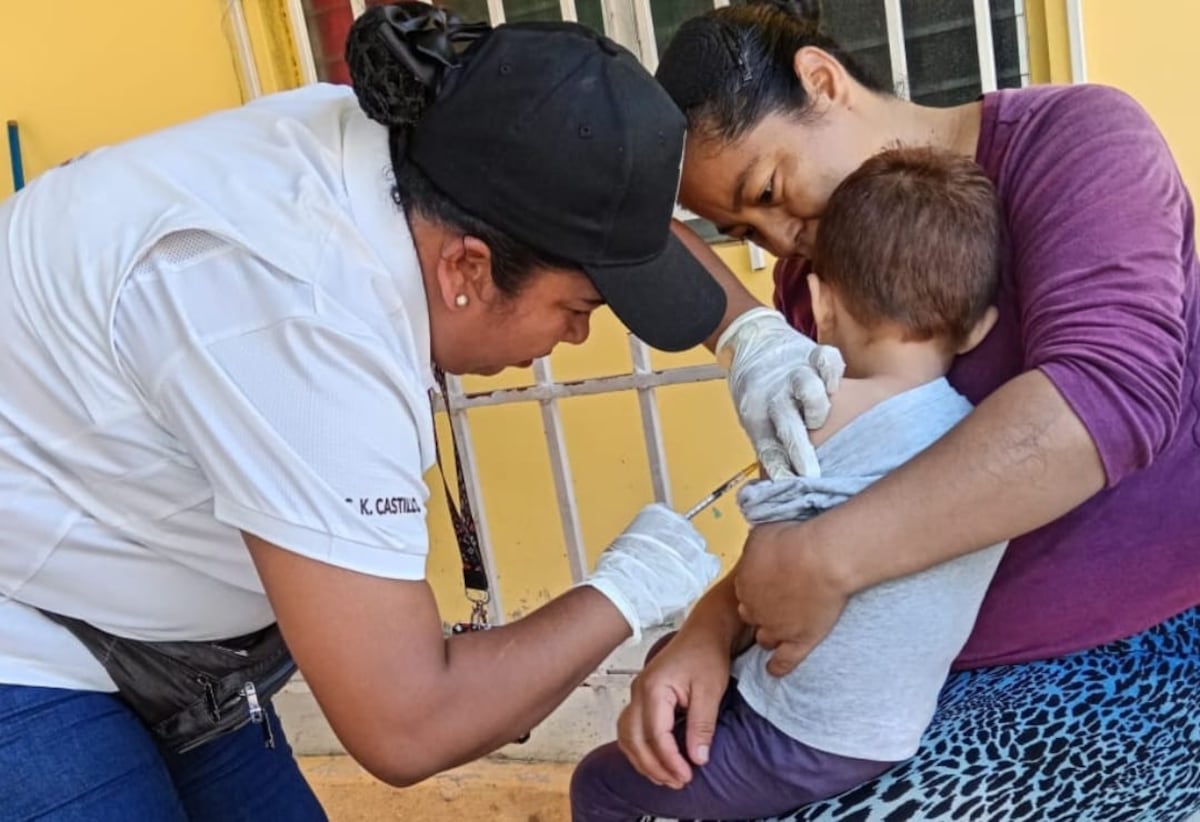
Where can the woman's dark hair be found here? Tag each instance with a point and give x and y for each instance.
(731, 67)
(398, 55)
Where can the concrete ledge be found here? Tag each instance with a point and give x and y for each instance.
(494, 790)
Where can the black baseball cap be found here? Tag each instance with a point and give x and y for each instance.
(559, 137)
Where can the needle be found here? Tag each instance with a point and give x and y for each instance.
(721, 489)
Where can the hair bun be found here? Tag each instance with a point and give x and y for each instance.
(398, 55)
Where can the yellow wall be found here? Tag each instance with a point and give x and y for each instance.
(1048, 42)
(1148, 49)
(79, 74)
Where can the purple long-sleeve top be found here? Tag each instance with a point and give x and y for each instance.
(1100, 290)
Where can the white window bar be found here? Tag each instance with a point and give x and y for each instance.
(896, 48)
(466, 456)
(644, 27)
(1075, 33)
(569, 12)
(496, 11)
(983, 39)
(560, 467)
(585, 388)
(245, 50)
(1022, 39)
(758, 258)
(298, 25)
(656, 454)
(357, 7)
(619, 24)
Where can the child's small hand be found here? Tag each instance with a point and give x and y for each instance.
(690, 673)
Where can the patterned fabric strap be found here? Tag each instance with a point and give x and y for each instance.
(474, 575)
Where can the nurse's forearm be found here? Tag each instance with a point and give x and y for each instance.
(1020, 460)
(498, 684)
(406, 701)
(738, 299)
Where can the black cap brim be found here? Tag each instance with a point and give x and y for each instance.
(671, 302)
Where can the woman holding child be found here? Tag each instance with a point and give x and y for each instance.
(1075, 696)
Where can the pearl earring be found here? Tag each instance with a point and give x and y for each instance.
(461, 301)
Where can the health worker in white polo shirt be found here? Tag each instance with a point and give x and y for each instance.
(218, 345)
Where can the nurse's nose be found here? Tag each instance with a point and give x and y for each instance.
(578, 329)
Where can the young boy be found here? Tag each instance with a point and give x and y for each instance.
(904, 275)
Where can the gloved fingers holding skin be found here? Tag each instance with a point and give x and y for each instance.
(774, 459)
(808, 392)
(827, 361)
(790, 428)
(780, 381)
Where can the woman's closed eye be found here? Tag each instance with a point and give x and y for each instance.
(768, 192)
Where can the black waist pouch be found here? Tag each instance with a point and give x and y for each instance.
(188, 693)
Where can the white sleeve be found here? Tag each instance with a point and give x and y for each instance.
(304, 426)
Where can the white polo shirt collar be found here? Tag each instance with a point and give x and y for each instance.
(367, 166)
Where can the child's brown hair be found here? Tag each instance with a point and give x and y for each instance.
(913, 237)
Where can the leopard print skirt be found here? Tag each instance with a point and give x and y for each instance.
(1106, 735)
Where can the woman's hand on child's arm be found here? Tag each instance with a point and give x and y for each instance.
(691, 672)
(1020, 460)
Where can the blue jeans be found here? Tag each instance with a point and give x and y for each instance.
(81, 755)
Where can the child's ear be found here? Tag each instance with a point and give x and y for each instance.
(822, 302)
(986, 323)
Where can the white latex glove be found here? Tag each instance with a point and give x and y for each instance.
(656, 568)
(780, 381)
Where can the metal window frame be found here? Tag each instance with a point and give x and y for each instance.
(244, 49)
(897, 50)
(631, 23)
(985, 45)
(545, 391)
(1075, 35)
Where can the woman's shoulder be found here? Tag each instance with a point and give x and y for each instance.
(1084, 101)
(1043, 142)
(1040, 119)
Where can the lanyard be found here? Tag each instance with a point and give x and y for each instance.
(475, 580)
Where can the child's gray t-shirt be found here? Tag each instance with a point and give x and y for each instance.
(870, 688)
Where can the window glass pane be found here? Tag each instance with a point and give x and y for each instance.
(525, 11)
(1008, 32)
(473, 11)
(943, 62)
(860, 27)
(591, 14)
(669, 15)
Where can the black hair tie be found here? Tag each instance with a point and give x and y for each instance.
(427, 40)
